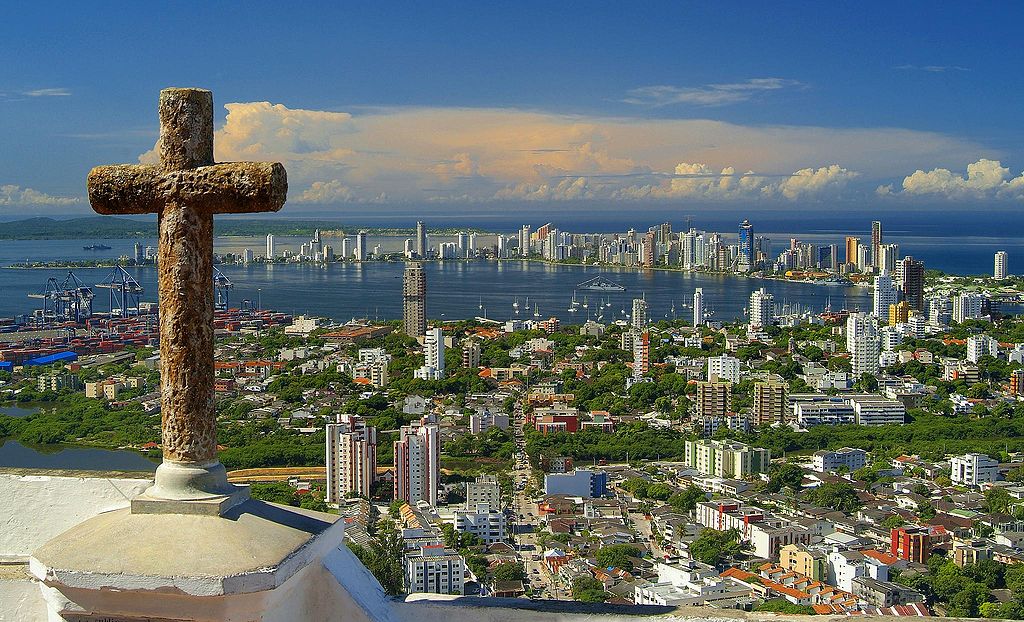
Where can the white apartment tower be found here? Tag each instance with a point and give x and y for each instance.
(698, 306)
(886, 294)
(999, 271)
(360, 254)
(639, 318)
(433, 356)
(270, 246)
(416, 463)
(863, 343)
(351, 458)
(762, 309)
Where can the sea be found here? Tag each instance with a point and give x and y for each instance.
(458, 289)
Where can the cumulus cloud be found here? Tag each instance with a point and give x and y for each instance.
(16, 195)
(326, 192)
(984, 179)
(479, 154)
(809, 181)
(707, 95)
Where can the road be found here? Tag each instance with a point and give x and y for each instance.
(526, 523)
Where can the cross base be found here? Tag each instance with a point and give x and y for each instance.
(186, 488)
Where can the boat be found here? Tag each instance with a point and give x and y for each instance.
(536, 311)
(515, 306)
(585, 303)
(601, 284)
(96, 247)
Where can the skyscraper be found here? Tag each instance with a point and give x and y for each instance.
(351, 458)
(863, 344)
(910, 278)
(414, 300)
(885, 295)
(270, 246)
(524, 241)
(421, 240)
(762, 309)
(139, 256)
(416, 463)
(639, 318)
(361, 246)
(999, 271)
(876, 242)
(852, 243)
(888, 254)
(462, 241)
(698, 306)
(746, 246)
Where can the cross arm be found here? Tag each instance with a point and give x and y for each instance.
(228, 188)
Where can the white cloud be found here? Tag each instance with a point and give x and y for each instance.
(326, 192)
(933, 68)
(52, 92)
(809, 181)
(16, 195)
(479, 154)
(707, 95)
(985, 179)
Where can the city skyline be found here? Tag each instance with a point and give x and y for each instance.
(787, 116)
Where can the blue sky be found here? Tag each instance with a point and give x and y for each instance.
(453, 105)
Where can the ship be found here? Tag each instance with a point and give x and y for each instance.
(601, 284)
(96, 247)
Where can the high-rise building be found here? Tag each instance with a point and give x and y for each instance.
(270, 246)
(417, 463)
(414, 300)
(346, 248)
(999, 272)
(641, 354)
(910, 278)
(762, 309)
(967, 306)
(471, 354)
(713, 399)
(770, 402)
(725, 368)
(421, 240)
(462, 240)
(639, 318)
(139, 256)
(248, 256)
(852, 244)
(863, 344)
(885, 295)
(876, 242)
(433, 356)
(899, 313)
(524, 241)
(746, 246)
(888, 255)
(351, 458)
(981, 345)
(698, 307)
(361, 246)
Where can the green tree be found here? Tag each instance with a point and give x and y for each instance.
(588, 590)
(510, 571)
(617, 556)
(713, 546)
(787, 475)
(839, 496)
(687, 500)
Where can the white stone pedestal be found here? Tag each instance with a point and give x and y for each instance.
(258, 562)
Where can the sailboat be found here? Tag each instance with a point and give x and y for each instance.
(573, 305)
(481, 306)
(536, 311)
(585, 303)
(515, 306)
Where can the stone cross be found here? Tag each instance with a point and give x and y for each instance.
(185, 191)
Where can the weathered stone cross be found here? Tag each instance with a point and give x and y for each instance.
(186, 190)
